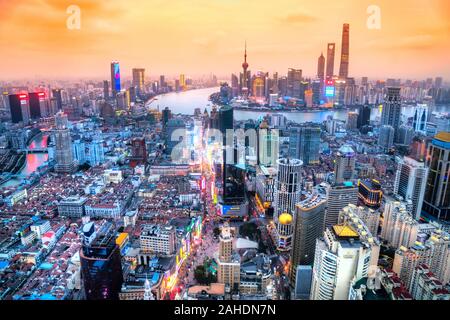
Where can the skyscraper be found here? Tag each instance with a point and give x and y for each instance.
(386, 137)
(338, 197)
(363, 116)
(65, 162)
(139, 79)
(101, 267)
(437, 193)
(392, 108)
(321, 67)
(39, 105)
(268, 146)
(19, 107)
(308, 226)
(340, 257)
(304, 143)
(287, 194)
(294, 79)
(115, 78)
(57, 94)
(410, 183)
(330, 60)
(420, 119)
(105, 89)
(228, 265)
(352, 120)
(344, 167)
(345, 51)
(399, 227)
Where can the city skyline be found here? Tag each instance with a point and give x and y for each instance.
(177, 38)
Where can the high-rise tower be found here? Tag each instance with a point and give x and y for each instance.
(287, 195)
(65, 162)
(392, 107)
(344, 167)
(345, 51)
(437, 193)
(139, 79)
(101, 268)
(244, 80)
(330, 60)
(115, 78)
(410, 183)
(321, 67)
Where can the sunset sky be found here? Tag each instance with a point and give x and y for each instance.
(197, 37)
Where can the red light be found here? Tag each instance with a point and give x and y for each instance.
(41, 94)
(23, 96)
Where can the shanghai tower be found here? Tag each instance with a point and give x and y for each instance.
(345, 51)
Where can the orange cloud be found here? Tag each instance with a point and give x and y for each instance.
(203, 36)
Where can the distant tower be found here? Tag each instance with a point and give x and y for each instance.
(245, 74)
(321, 67)
(345, 51)
(330, 60)
(139, 79)
(115, 78)
(392, 108)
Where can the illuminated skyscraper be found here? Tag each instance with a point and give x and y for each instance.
(39, 105)
(115, 78)
(258, 86)
(182, 81)
(139, 79)
(330, 60)
(345, 51)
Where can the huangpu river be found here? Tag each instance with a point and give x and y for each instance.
(186, 102)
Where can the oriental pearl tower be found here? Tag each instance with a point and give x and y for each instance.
(245, 74)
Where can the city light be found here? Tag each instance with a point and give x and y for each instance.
(225, 161)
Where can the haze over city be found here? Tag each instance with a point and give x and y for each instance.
(199, 37)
